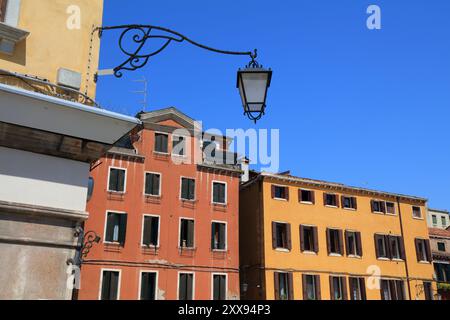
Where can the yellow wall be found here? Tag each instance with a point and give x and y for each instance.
(362, 220)
(51, 45)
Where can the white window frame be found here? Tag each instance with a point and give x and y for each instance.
(309, 226)
(350, 197)
(169, 149)
(384, 245)
(179, 233)
(156, 282)
(101, 282)
(124, 182)
(178, 283)
(424, 251)
(337, 200)
(282, 249)
(226, 235)
(395, 208)
(226, 284)
(185, 145)
(159, 229)
(106, 224)
(355, 243)
(314, 285)
(380, 201)
(226, 192)
(181, 189)
(160, 184)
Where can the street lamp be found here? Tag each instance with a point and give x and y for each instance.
(253, 81)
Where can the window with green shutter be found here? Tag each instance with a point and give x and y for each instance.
(186, 286)
(219, 192)
(161, 143)
(116, 180)
(187, 189)
(218, 236)
(179, 145)
(110, 285)
(148, 286)
(116, 227)
(186, 233)
(150, 236)
(153, 184)
(219, 287)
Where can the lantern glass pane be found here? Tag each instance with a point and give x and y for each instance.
(255, 86)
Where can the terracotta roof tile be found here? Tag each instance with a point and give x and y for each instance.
(439, 232)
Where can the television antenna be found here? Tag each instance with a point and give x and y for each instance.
(143, 92)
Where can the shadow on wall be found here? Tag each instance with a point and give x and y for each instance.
(19, 56)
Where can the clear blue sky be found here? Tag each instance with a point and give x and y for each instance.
(365, 108)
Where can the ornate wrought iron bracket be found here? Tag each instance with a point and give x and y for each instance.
(85, 243)
(137, 58)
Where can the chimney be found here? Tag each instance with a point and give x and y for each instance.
(245, 166)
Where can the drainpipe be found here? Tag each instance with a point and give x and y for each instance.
(403, 239)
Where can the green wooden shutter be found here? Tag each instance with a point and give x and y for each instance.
(190, 235)
(147, 231)
(122, 229)
(191, 184)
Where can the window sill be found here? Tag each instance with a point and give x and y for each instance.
(188, 200)
(333, 207)
(282, 250)
(379, 213)
(116, 193)
(10, 36)
(309, 203)
(398, 260)
(383, 259)
(424, 262)
(280, 199)
(310, 253)
(418, 218)
(350, 209)
(353, 256)
(335, 255)
(219, 204)
(153, 196)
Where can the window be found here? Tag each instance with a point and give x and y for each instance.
(396, 248)
(442, 272)
(378, 206)
(390, 208)
(334, 242)
(219, 287)
(444, 222)
(116, 180)
(110, 285)
(161, 143)
(330, 200)
(353, 243)
(218, 236)
(219, 192)
(116, 227)
(3, 4)
(186, 286)
(283, 286)
(153, 184)
(417, 212)
(309, 239)
(306, 196)
(150, 233)
(179, 145)
(423, 250)
(349, 203)
(311, 287)
(281, 236)
(441, 246)
(279, 192)
(428, 291)
(434, 220)
(148, 285)
(187, 189)
(338, 288)
(392, 290)
(381, 247)
(209, 149)
(186, 233)
(357, 289)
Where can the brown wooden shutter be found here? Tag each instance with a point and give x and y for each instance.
(3, 4)
(417, 243)
(302, 238)
(393, 290)
(332, 288)
(428, 249)
(305, 292)
(288, 236)
(359, 244)
(328, 241)
(299, 195)
(274, 235)
(318, 288)
(324, 199)
(344, 288)
(372, 205)
(291, 286)
(362, 285)
(383, 206)
(347, 242)
(313, 197)
(287, 193)
(387, 243)
(355, 203)
(377, 249)
(351, 287)
(341, 242)
(273, 191)
(337, 201)
(277, 285)
(402, 248)
(342, 201)
(316, 239)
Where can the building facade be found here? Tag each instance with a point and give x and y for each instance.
(438, 218)
(313, 240)
(440, 248)
(50, 133)
(168, 224)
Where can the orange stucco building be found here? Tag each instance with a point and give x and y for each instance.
(168, 229)
(317, 240)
